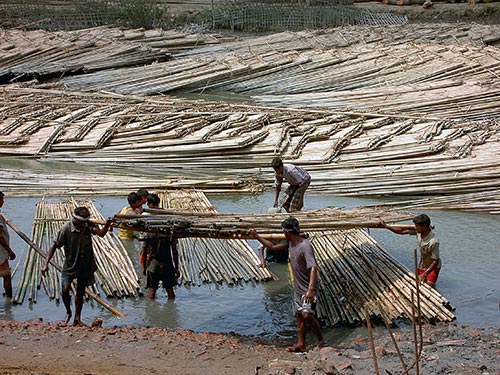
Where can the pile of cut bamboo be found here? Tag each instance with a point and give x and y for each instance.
(221, 147)
(43, 54)
(115, 275)
(356, 273)
(203, 260)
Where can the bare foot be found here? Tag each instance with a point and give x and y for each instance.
(67, 318)
(296, 348)
(79, 323)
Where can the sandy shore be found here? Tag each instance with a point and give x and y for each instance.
(35, 347)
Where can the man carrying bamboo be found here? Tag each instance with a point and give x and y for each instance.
(298, 179)
(76, 238)
(6, 253)
(430, 262)
(159, 258)
(305, 279)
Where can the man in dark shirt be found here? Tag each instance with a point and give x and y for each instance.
(76, 238)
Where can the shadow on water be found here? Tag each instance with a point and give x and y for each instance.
(470, 277)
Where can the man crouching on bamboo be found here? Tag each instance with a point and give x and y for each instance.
(76, 238)
(305, 279)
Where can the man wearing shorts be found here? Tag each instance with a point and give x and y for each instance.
(298, 179)
(79, 262)
(430, 262)
(305, 279)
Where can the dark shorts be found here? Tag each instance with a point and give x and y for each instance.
(66, 280)
(167, 278)
(431, 276)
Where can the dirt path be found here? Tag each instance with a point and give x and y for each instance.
(52, 349)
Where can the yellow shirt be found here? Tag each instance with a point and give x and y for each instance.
(126, 234)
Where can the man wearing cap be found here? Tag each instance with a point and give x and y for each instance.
(298, 179)
(305, 279)
(430, 262)
(76, 238)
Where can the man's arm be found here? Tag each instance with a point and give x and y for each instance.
(395, 229)
(6, 246)
(50, 254)
(279, 181)
(268, 244)
(175, 257)
(101, 232)
(311, 291)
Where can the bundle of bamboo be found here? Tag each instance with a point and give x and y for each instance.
(213, 225)
(203, 260)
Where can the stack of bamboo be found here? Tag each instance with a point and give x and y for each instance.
(115, 276)
(355, 272)
(43, 54)
(214, 225)
(203, 260)
(221, 147)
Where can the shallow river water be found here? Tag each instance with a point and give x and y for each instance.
(470, 277)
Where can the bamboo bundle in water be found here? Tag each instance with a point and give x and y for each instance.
(206, 260)
(355, 273)
(115, 275)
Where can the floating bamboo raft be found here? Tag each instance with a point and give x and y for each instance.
(203, 260)
(115, 275)
(354, 271)
(43, 55)
(216, 146)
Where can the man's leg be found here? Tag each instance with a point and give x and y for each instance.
(300, 346)
(66, 297)
(316, 329)
(170, 293)
(151, 293)
(7, 284)
(80, 291)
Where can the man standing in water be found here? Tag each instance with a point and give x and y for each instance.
(292, 198)
(305, 279)
(6, 253)
(430, 262)
(76, 238)
(159, 258)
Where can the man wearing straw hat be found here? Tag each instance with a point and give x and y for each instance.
(298, 179)
(305, 279)
(76, 238)
(6, 253)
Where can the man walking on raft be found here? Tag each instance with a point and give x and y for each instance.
(76, 238)
(430, 262)
(292, 198)
(305, 279)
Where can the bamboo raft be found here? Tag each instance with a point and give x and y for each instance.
(210, 260)
(354, 271)
(229, 147)
(115, 275)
